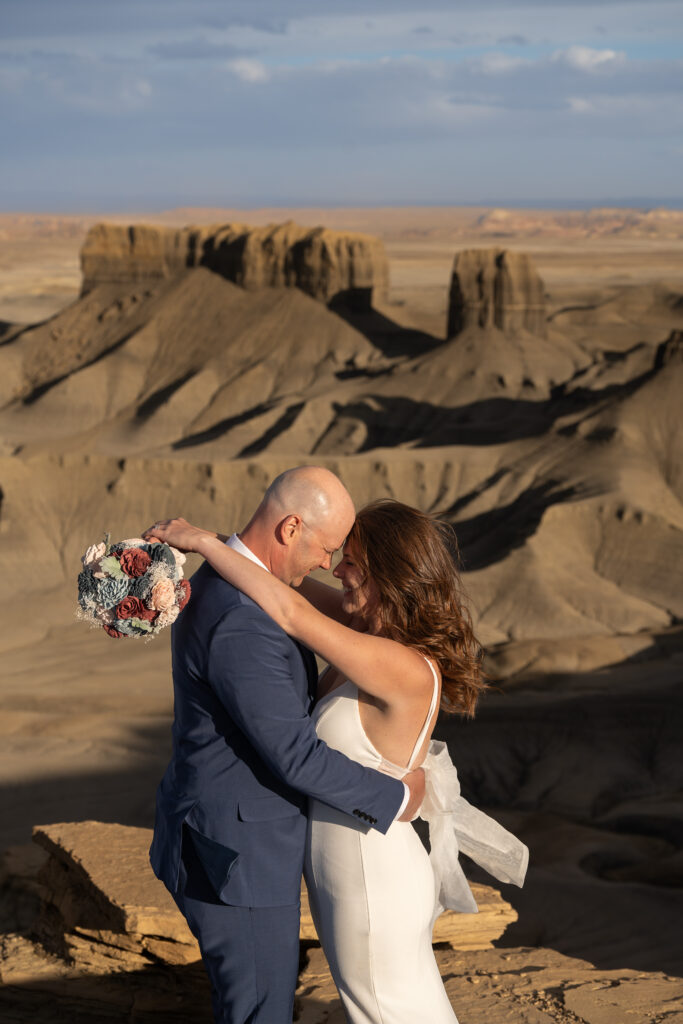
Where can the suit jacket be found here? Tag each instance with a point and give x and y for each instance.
(246, 754)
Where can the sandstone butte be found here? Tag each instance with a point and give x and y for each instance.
(495, 288)
(325, 264)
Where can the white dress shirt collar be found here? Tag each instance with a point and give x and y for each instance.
(237, 545)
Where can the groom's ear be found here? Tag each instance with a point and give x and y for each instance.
(288, 529)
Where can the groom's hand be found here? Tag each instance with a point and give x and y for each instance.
(415, 781)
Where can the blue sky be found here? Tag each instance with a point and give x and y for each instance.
(149, 104)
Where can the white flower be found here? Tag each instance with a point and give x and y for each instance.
(179, 557)
(167, 617)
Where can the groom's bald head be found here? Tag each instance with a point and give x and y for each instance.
(313, 492)
(304, 517)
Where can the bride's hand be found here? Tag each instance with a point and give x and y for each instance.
(176, 532)
(415, 781)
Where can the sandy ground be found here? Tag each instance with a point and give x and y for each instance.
(579, 751)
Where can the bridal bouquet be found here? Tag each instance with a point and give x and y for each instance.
(132, 588)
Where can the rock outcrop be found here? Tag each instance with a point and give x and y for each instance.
(328, 265)
(495, 288)
(107, 943)
(462, 931)
(670, 351)
(98, 880)
(89, 928)
(100, 890)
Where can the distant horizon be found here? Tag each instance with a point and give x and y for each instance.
(639, 204)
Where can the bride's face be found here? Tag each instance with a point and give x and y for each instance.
(360, 595)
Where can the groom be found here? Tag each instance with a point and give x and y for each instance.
(230, 824)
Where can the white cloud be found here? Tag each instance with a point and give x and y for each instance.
(500, 63)
(578, 105)
(138, 90)
(91, 87)
(629, 106)
(585, 58)
(248, 70)
(449, 111)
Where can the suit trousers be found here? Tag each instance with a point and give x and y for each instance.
(251, 954)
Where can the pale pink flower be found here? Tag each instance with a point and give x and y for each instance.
(167, 617)
(162, 597)
(105, 614)
(91, 559)
(132, 542)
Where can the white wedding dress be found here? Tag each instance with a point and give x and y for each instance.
(373, 896)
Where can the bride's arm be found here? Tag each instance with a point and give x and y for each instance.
(379, 666)
(325, 598)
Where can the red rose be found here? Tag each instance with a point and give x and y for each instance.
(130, 608)
(186, 589)
(135, 561)
(147, 614)
(112, 632)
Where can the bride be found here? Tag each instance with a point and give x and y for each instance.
(400, 646)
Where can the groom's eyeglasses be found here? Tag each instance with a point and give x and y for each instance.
(326, 550)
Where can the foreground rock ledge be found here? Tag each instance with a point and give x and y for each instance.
(97, 938)
(99, 879)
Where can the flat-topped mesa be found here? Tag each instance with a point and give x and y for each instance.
(495, 288)
(115, 254)
(328, 265)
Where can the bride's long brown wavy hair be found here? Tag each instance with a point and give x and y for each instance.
(413, 560)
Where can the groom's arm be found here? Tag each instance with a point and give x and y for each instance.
(250, 667)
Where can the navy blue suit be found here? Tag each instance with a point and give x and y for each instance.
(230, 823)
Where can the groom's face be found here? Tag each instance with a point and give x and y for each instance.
(313, 547)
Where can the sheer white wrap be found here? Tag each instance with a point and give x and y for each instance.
(454, 826)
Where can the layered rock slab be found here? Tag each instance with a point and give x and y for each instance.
(100, 975)
(99, 879)
(100, 914)
(99, 876)
(323, 263)
(462, 931)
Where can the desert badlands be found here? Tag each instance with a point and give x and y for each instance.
(518, 373)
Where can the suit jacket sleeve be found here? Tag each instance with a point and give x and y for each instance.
(250, 668)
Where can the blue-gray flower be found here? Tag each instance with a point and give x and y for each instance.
(140, 587)
(110, 591)
(87, 590)
(162, 553)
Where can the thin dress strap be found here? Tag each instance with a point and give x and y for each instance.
(430, 715)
